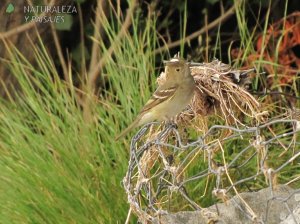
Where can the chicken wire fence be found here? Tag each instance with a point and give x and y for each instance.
(193, 164)
(169, 174)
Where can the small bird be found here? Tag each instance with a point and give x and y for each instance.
(170, 98)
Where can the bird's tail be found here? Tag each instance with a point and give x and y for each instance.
(133, 125)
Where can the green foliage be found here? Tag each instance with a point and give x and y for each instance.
(55, 166)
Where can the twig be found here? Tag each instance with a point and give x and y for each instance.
(60, 53)
(96, 36)
(93, 74)
(128, 216)
(248, 208)
(82, 43)
(199, 32)
(206, 36)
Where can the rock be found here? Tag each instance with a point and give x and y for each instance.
(270, 207)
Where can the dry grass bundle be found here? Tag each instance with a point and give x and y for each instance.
(222, 90)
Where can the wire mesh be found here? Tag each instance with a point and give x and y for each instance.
(187, 165)
(165, 175)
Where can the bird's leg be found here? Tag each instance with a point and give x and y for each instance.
(171, 124)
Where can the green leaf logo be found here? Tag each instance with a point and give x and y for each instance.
(10, 8)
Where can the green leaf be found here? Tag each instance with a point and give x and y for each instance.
(10, 8)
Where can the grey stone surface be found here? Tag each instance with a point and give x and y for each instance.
(280, 206)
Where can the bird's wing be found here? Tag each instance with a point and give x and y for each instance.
(159, 96)
(162, 94)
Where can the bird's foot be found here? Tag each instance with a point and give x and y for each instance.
(171, 125)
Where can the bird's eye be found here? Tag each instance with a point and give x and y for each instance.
(177, 69)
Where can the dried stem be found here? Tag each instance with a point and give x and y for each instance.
(194, 35)
(94, 73)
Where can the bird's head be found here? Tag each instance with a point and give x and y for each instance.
(176, 68)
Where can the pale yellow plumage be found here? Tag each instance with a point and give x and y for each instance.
(170, 98)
